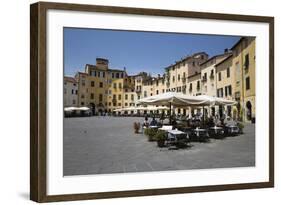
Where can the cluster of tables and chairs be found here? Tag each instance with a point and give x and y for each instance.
(194, 130)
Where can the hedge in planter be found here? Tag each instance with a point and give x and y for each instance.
(150, 133)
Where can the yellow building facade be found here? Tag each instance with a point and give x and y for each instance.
(244, 62)
(230, 75)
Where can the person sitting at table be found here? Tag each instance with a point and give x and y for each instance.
(229, 121)
(145, 122)
(217, 121)
(153, 122)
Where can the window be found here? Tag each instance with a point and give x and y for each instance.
(82, 103)
(122, 75)
(119, 104)
(228, 72)
(225, 90)
(114, 85)
(220, 92)
(83, 83)
(132, 97)
(92, 96)
(198, 85)
(103, 74)
(190, 87)
(126, 104)
(204, 77)
(109, 103)
(219, 76)
(98, 74)
(212, 74)
(72, 91)
(117, 75)
(157, 92)
(101, 84)
(112, 75)
(145, 94)
(114, 96)
(179, 77)
(82, 96)
(73, 102)
(93, 83)
(247, 83)
(237, 73)
(174, 79)
(247, 62)
(126, 97)
(100, 97)
(119, 97)
(120, 85)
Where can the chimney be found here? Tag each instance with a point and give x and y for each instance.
(226, 50)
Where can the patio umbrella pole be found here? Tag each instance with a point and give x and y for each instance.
(203, 116)
(170, 113)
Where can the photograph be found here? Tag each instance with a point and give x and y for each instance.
(146, 101)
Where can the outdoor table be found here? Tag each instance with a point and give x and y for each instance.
(216, 131)
(232, 129)
(176, 137)
(201, 134)
(166, 128)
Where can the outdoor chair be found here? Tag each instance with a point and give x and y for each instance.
(231, 128)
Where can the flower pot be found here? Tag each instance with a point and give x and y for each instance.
(161, 143)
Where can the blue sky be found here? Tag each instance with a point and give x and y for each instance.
(137, 51)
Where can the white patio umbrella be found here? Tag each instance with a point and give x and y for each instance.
(118, 110)
(83, 108)
(210, 100)
(69, 109)
(173, 98)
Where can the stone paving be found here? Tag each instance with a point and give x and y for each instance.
(104, 145)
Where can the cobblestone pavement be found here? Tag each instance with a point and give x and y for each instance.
(104, 145)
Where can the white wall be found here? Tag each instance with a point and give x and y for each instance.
(14, 52)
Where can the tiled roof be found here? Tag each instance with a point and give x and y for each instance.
(70, 79)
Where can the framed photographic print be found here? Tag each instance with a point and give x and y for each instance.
(136, 102)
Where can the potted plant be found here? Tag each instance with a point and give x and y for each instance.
(160, 138)
(241, 127)
(150, 133)
(136, 127)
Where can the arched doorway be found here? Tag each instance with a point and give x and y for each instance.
(249, 110)
(93, 108)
